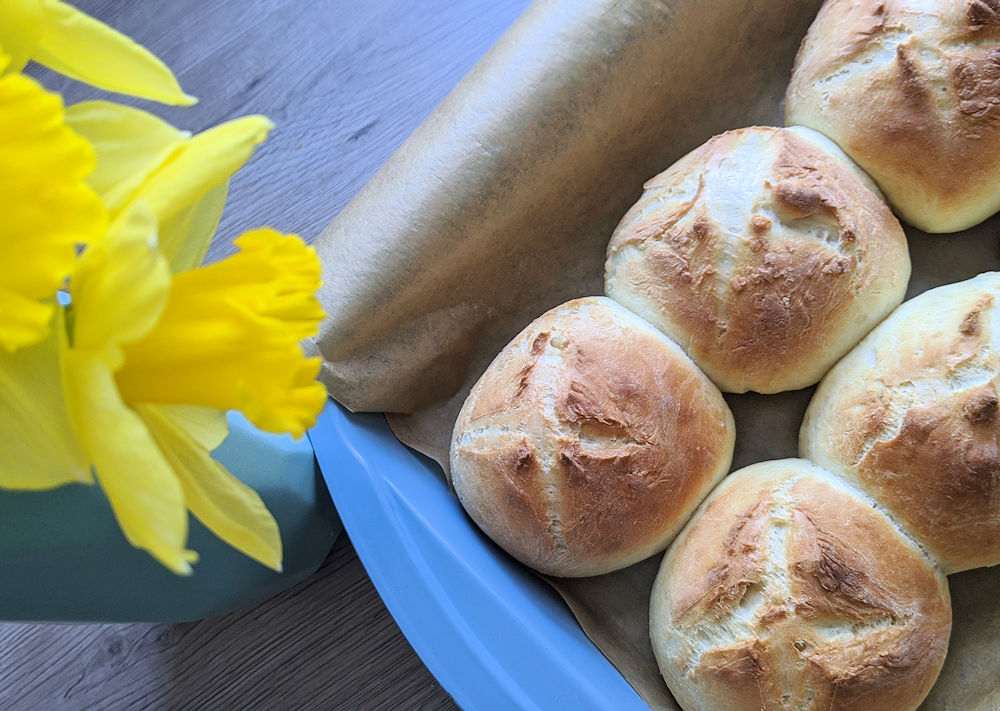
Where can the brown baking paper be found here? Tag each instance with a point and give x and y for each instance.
(500, 207)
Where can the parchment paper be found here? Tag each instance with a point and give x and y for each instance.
(500, 206)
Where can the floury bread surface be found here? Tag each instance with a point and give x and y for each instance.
(790, 590)
(910, 89)
(765, 253)
(589, 441)
(910, 415)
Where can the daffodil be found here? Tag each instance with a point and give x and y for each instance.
(182, 179)
(154, 360)
(47, 207)
(59, 36)
(130, 385)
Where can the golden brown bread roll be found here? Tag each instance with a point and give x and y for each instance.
(789, 589)
(910, 415)
(764, 253)
(910, 89)
(588, 441)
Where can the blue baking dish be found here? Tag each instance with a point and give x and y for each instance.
(494, 635)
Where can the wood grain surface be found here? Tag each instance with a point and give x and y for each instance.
(346, 83)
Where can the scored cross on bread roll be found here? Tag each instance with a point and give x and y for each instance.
(588, 441)
(765, 253)
(910, 89)
(791, 590)
(910, 415)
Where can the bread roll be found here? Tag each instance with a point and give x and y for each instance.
(765, 253)
(910, 89)
(588, 442)
(791, 590)
(911, 416)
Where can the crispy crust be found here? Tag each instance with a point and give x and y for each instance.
(911, 416)
(763, 246)
(790, 590)
(588, 442)
(911, 91)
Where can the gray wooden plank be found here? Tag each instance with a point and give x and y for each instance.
(345, 83)
(327, 643)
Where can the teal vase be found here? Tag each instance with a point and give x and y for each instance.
(63, 557)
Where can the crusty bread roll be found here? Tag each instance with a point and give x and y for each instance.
(910, 415)
(789, 589)
(588, 441)
(764, 253)
(910, 89)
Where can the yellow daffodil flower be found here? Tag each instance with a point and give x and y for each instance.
(47, 207)
(156, 357)
(59, 36)
(132, 381)
(182, 179)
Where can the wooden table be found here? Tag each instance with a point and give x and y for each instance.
(345, 82)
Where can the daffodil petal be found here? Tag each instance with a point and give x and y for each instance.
(47, 208)
(228, 507)
(208, 426)
(75, 44)
(120, 287)
(23, 321)
(37, 447)
(130, 144)
(230, 337)
(186, 236)
(201, 163)
(145, 495)
(21, 23)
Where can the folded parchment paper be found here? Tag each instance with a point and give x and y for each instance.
(500, 206)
